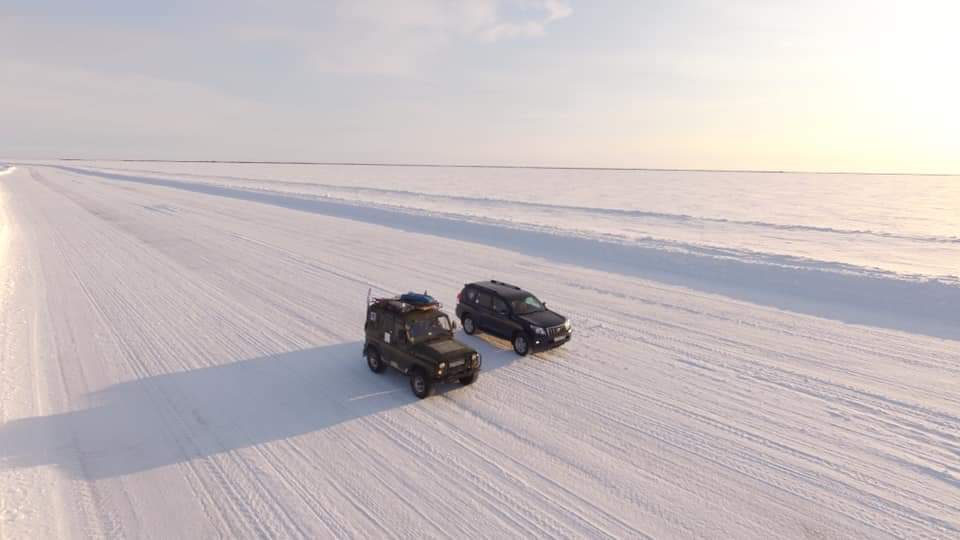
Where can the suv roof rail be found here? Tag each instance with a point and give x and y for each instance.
(495, 282)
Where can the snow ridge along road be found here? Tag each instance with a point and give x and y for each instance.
(183, 352)
(832, 289)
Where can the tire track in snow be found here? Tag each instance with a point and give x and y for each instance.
(241, 508)
(558, 434)
(885, 507)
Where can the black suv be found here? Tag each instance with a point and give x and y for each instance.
(412, 335)
(512, 313)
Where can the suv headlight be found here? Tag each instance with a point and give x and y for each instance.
(441, 368)
(566, 324)
(475, 360)
(539, 331)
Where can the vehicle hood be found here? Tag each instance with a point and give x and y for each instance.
(443, 349)
(545, 319)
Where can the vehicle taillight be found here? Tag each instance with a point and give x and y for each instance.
(459, 294)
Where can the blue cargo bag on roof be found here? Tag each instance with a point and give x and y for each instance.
(416, 299)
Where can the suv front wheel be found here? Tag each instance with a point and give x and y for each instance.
(521, 345)
(421, 385)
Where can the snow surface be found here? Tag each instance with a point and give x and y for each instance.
(180, 357)
(903, 224)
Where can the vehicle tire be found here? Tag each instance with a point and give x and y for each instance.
(468, 325)
(521, 344)
(421, 385)
(470, 379)
(374, 362)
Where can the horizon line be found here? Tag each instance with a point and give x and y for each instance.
(492, 166)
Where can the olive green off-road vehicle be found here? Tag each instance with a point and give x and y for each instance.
(413, 335)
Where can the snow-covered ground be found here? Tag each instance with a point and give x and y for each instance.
(873, 249)
(180, 355)
(903, 224)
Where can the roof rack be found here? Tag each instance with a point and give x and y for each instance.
(408, 302)
(419, 300)
(495, 282)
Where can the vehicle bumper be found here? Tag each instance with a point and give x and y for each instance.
(542, 343)
(456, 376)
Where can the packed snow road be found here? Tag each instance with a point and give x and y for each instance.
(176, 363)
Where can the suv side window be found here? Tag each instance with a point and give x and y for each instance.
(499, 306)
(483, 300)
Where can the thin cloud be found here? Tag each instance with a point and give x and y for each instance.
(549, 10)
(556, 10)
(382, 37)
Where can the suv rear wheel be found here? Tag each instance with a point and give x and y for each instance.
(421, 385)
(374, 362)
(468, 325)
(520, 344)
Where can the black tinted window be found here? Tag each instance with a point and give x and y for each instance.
(470, 295)
(499, 306)
(483, 299)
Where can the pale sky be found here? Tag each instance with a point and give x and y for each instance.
(850, 85)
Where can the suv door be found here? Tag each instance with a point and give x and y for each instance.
(401, 347)
(500, 322)
(481, 310)
(387, 336)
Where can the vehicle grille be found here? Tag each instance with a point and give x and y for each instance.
(462, 368)
(556, 331)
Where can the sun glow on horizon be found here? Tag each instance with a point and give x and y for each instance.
(905, 70)
(820, 85)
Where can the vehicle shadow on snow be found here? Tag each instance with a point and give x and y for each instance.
(167, 419)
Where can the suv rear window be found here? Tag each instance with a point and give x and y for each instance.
(470, 295)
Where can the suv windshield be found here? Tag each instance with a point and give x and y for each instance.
(425, 329)
(529, 304)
